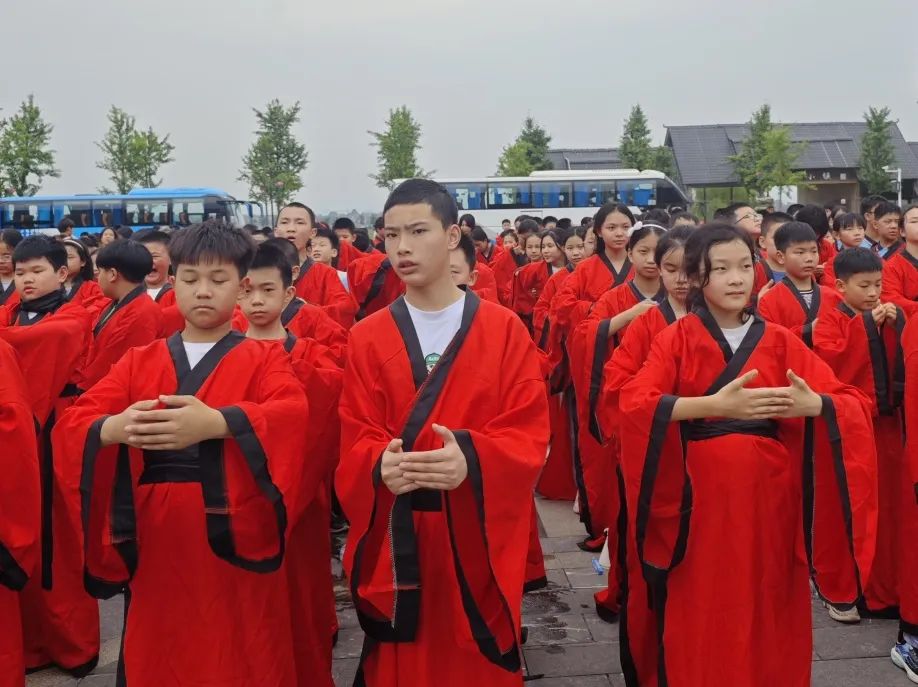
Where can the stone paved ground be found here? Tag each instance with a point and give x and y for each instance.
(567, 643)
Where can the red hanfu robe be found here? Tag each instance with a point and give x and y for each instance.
(373, 283)
(486, 285)
(557, 478)
(88, 294)
(173, 321)
(900, 282)
(784, 305)
(60, 620)
(908, 555)
(133, 321)
(319, 284)
(20, 505)
(9, 296)
(307, 321)
(503, 267)
(592, 278)
(346, 255)
(312, 599)
(166, 296)
(437, 577)
(721, 507)
(871, 359)
(528, 283)
(496, 251)
(197, 536)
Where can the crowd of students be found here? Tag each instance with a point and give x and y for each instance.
(725, 405)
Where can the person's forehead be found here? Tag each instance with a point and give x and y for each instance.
(265, 275)
(209, 265)
(294, 213)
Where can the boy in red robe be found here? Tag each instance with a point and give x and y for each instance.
(184, 466)
(60, 620)
(438, 465)
(373, 282)
(861, 340)
(315, 283)
(19, 527)
(268, 290)
(157, 282)
(797, 300)
(132, 319)
(900, 271)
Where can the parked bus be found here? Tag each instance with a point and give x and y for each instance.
(138, 209)
(574, 194)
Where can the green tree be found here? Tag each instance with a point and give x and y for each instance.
(273, 164)
(132, 158)
(876, 151)
(537, 140)
(747, 162)
(397, 147)
(515, 160)
(25, 156)
(662, 160)
(635, 148)
(779, 155)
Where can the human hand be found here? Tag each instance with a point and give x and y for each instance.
(445, 468)
(736, 402)
(879, 313)
(642, 307)
(892, 312)
(391, 469)
(113, 429)
(807, 403)
(765, 289)
(185, 421)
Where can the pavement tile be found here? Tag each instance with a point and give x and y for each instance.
(350, 643)
(558, 520)
(557, 629)
(98, 681)
(600, 630)
(861, 672)
(557, 579)
(111, 617)
(574, 681)
(575, 559)
(561, 544)
(573, 659)
(870, 638)
(52, 677)
(548, 601)
(343, 671)
(586, 578)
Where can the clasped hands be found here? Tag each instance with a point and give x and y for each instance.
(766, 403)
(184, 421)
(443, 468)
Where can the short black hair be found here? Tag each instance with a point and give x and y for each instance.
(850, 220)
(468, 220)
(66, 224)
(10, 237)
(815, 216)
(870, 202)
(361, 239)
(131, 258)
(479, 234)
(509, 232)
(89, 241)
(794, 232)
(549, 218)
(345, 223)
(37, 247)
(468, 250)
(674, 238)
(284, 246)
(425, 191)
(887, 207)
(528, 226)
(773, 218)
(271, 255)
(856, 261)
(733, 207)
(124, 232)
(380, 223)
(87, 273)
(793, 208)
(564, 223)
(212, 240)
(657, 216)
(301, 206)
(154, 236)
(505, 221)
(323, 233)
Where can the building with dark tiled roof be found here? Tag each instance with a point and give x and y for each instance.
(585, 158)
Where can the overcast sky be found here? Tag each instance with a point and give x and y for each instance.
(470, 70)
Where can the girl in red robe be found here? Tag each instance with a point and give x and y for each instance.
(81, 287)
(529, 281)
(717, 434)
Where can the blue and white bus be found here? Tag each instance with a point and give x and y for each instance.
(138, 209)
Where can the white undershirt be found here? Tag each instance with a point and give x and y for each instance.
(31, 315)
(343, 277)
(5, 284)
(436, 329)
(735, 336)
(807, 297)
(153, 293)
(196, 351)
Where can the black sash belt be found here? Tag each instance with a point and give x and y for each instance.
(70, 391)
(170, 467)
(711, 429)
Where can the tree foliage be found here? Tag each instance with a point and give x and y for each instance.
(132, 158)
(527, 153)
(273, 164)
(748, 161)
(397, 148)
(779, 155)
(25, 156)
(876, 151)
(635, 149)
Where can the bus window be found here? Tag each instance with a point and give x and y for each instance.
(468, 196)
(642, 194)
(78, 211)
(27, 216)
(185, 212)
(509, 195)
(551, 194)
(148, 213)
(215, 209)
(593, 194)
(668, 195)
(107, 213)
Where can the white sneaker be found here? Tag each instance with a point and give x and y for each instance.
(849, 617)
(905, 657)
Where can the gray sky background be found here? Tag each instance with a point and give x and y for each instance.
(470, 70)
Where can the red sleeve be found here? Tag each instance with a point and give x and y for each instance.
(320, 375)
(313, 323)
(322, 287)
(136, 327)
(899, 280)
(910, 351)
(567, 308)
(19, 490)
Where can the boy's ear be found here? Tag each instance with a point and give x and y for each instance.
(62, 274)
(453, 233)
(473, 277)
(761, 241)
(778, 256)
(295, 273)
(840, 286)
